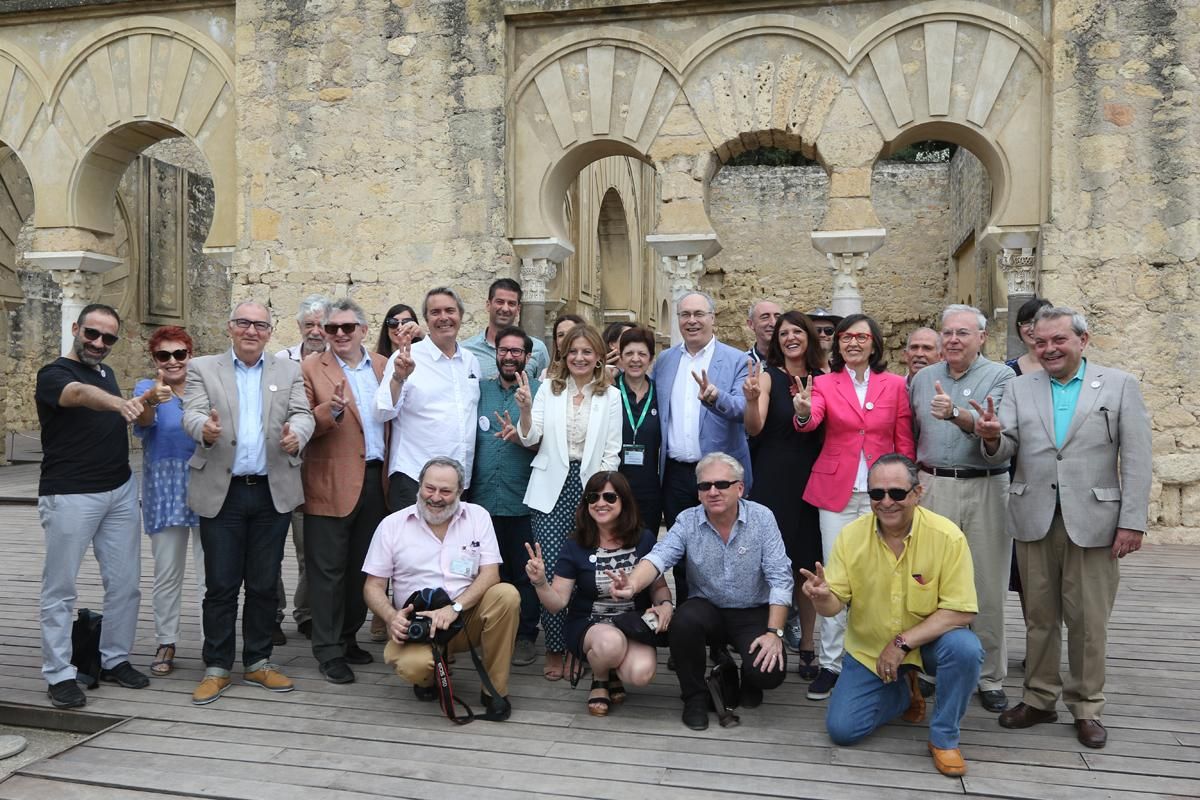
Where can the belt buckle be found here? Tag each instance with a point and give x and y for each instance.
(250, 480)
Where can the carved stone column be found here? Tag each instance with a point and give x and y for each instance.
(1016, 258)
(848, 253)
(540, 259)
(77, 272)
(681, 257)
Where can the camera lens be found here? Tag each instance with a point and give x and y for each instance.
(418, 630)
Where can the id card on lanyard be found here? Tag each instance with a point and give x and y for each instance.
(634, 454)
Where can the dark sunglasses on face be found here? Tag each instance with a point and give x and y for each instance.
(895, 494)
(163, 356)
(346, 327)
(396, 322)
(91, 334)
(824, 330)
(704, 486)
(594, 497)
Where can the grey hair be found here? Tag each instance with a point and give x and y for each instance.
(937, 337)
(712, 304)
(961, 308)
(313, 304)
(234, 314)
(443, 461)
(914, 475)
(1078, 321)
(345, 304)
(446, 290)
(753, 306)
(721, 458)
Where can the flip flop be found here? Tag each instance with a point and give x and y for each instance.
(164, 660)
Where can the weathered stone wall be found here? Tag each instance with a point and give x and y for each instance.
(764, 217)
(1124, 233)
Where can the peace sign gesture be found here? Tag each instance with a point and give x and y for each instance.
(508, 431)
(337, 401)
(535, 567)
(802, 399)
(403, 365)
(524, 396)
(751, 389)
(987, 427)
(815, 587)
(708, 392)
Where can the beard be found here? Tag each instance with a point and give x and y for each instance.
(435, 515)
(90, 359)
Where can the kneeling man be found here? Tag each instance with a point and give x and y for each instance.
(906, 574)
(739, 586)
(441, 542)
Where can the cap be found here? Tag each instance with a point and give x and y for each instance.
(824, 313)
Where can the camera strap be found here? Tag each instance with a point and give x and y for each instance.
(498, 708)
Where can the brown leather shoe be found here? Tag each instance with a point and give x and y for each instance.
(916, 705)
(1091, 733)
(1026, 716)
(948, 762)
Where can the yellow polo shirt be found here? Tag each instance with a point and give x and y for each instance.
(883, 592)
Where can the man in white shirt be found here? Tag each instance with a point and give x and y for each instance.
(430, 393)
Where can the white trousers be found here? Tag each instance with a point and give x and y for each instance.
(833, 629)
(170, 546)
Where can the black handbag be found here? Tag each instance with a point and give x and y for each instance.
(725, 689)
(635, 629)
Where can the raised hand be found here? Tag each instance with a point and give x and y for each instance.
(815, 587)
(161, 392)
(987, 426)
(708, 392)
(621, 588)
(403, 365)
(802, 399)
(612, 357)
(751, 389)
(337, 401)
(524, 395)
(288, 440)
(212, 428)
(508, 431)
(941, 406)
(535, 567)
(132, 408)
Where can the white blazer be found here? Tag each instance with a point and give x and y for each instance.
(548, 425)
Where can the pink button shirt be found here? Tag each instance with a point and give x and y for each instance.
(407, 551)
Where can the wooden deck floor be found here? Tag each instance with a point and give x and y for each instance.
(373, 738)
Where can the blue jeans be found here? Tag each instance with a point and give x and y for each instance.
(862, 702)
(243, 543)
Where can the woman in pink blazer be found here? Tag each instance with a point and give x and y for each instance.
(865, 413)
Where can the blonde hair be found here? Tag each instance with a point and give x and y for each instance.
(559, 373)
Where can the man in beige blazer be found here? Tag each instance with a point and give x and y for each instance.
(1079, 437)
(344, 492)
(250, 416)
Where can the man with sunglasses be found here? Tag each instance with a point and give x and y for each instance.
(251, 418)
(905, 573)
(310, 319)
(87, 495)
(504, 309)
(740, 587)
(344, 489)
(825, 322)
(959, 483)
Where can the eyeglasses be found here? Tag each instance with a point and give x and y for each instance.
(1025, 326)
(686, 315)
(861, 338)
(395, 322)
(704, 486)
(510, 351)
(91, 334)
(895, 494)
(163, 356)
(824, 330)
(243, 324)
(347, 328)
(959, 333)
(594, 497)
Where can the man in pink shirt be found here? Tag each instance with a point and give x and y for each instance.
(441, 542)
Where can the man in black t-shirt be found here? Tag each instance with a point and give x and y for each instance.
(87, 496)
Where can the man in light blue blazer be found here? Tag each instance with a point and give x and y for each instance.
(699, 389)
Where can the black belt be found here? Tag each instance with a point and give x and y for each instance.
(375, 463)
(250, 480)
(969, 472)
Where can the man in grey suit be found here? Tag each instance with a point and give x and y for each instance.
(1079, 437)
(251, 417)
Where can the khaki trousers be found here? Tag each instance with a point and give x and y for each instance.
(978, 507)
(1077, 585)
(491, 626)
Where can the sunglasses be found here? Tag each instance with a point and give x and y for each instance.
(347, 328)
(163, 356)
(594, 497)
(394, 322)
(824, 330)
(704, 486)
(91, 334)
(895, 494)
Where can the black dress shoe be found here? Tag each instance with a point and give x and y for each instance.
(994, 700)
(305, 628)
(695, 713)
(1091, 733)
(1025, 716)
(336, 670)
(752, 697)
(66, 694)
(356, 655)
(125, 675)
(426, 694)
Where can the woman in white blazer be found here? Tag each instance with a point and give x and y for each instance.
(577, 421)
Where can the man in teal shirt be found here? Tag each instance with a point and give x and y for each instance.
(504, 309)
(501, 475)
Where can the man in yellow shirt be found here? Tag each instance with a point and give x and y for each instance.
(906, 574)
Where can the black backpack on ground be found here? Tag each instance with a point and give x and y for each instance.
(85, 647)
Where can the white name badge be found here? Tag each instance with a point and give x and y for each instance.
(634, 455)
(466, 564)
(485, 424)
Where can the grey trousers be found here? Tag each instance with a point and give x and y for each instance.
(110, 523)
(300, 611)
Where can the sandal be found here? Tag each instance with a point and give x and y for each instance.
(616, 691)
(598, 706)
(807, 668)
(553, 669)
(164, 660)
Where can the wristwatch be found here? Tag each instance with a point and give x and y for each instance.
(665, 602)
(899, 642)
(777, 631)
(953, 412)
(456, 607)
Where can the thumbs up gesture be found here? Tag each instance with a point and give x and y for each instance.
(289, 441)
(337, 401)
(212, 428)
(941, 407)
(161, 391)
(802, 399)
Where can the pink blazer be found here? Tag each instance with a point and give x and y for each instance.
(882, 426)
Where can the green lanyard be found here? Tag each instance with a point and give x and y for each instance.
(629, 406)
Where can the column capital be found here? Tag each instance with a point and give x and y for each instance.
(677, 245)
(1016, 256)
(863, 240)
(73, 260)
(1022, 238)
(848, 253)
(551, 248)
(536, 274)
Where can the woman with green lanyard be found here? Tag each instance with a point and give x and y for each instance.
(641, 432)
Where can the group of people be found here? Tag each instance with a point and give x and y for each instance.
(797, 479)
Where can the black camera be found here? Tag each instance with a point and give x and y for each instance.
(420, 629)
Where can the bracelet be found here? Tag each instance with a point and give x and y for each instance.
(667, 601)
